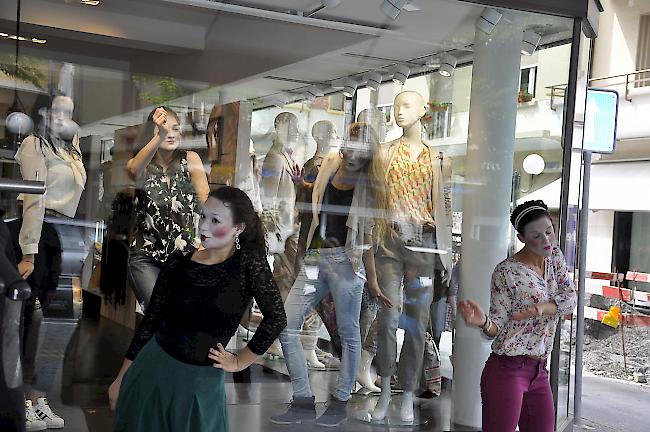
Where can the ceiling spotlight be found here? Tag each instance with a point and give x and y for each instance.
(350, 88)
(530, 42)
(315, 91)
(488, 20)
(90, 2)
(280, 100)
(448, 65)
(330, 3)
(373, 81)
(338, 83)
(401, 74)
(392, 8)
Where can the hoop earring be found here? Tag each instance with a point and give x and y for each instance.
(237, 245)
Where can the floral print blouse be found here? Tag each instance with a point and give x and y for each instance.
(167, 211)
(516, 286)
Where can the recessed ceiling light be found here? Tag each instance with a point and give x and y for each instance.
(23, 38)
(90, 2)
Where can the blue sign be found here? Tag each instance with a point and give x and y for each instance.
(601, 114)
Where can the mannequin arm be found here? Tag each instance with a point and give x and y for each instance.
(328, 169)
(198, 176)
(32, 167)
(270, 179)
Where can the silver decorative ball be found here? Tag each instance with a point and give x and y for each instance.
(19, 124)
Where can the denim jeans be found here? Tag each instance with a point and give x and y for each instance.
(335, 276)
(143, 272)
(415, 272)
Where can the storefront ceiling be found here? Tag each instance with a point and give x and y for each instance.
(251, 50)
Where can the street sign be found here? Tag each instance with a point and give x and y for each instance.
(601, 115)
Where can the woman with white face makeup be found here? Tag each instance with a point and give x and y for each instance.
(530, 293)
(171, 185)
(172, 379)
(347, 190)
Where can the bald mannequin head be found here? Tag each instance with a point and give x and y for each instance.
(286, 127)
(376, 119)
(323, 130)
(409, 108)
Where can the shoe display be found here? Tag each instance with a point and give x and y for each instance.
(45, 413)
(32, 421)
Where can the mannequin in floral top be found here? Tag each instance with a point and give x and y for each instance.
(172, 184)
(530, 292)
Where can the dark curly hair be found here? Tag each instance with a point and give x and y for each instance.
(528, 212)
(243, 212)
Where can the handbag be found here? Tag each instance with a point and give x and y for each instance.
(431, 379)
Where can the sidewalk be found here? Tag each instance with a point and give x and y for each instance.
(611, 405)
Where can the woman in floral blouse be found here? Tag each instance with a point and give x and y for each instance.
(530, 292)
(172, 184)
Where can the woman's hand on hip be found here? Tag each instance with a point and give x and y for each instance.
(224, 359)
(472, 313)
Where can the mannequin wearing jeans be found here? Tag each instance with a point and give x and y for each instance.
(419, 196)
(345, 192)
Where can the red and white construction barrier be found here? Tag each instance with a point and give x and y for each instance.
(627, 319)
(594, 286)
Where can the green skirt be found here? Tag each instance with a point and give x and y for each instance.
(159, 393)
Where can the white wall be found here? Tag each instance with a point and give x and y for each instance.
(616, 44)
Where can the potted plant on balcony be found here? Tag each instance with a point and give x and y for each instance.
(524, 96)
(436, 118)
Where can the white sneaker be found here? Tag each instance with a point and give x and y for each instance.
(32, 421)
(44, 412)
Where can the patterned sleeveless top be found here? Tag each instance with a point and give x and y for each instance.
(166, 210)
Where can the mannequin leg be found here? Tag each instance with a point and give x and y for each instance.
(309, 339)
(384, 400)
(364, 376)
(312, 359)
(406, 411)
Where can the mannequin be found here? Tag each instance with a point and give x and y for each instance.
(326, 137)
(51, 155)
(278, 194)
(375, 118)
(277, 186)
(418, 184)
(365, 376)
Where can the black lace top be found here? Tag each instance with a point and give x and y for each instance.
(195, 306)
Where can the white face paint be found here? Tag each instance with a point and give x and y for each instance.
(216, 225)
(539, 237)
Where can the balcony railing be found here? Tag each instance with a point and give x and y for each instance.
(641, 77)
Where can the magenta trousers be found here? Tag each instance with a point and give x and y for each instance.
(516, 391)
